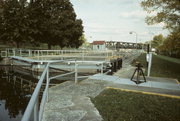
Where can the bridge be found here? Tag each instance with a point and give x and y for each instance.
(124, 45)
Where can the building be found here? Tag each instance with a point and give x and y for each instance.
(99, 45)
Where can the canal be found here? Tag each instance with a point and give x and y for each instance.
(16, 87)
(13, 97)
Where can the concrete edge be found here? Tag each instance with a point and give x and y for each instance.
(148, 93)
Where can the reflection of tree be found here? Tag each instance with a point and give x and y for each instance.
(14, 97)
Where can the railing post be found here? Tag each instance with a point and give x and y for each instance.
(102, 68)
(62, 55)
(14, 52)
(83, 55)
(36, 113)
(20, 52)
(38, 54)
(29, 53)
(47, 83)
(149, 64)
(76, 73)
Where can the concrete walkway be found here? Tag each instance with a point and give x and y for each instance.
(125, 81)
(71, 102)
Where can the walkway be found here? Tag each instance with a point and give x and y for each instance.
(151, 84)
(71, 102)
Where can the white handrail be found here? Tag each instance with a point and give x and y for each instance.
(34, 97)
(33, 103)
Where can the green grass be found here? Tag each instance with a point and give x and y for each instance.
(162, 66)
(175, 60)
(116, 105)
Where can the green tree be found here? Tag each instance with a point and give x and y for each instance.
(157, 41)
(172, 44)
(56, 23)
(14, 22)
(40, 21)
(167, 12)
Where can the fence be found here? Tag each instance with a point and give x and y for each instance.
(33, 105)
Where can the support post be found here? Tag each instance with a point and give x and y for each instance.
(83, 55)
(29, 53)
(102, 68)
(38, 54)
(76, 73)
(149, 63)
(14, 52)
(47, 83)
(20, 52)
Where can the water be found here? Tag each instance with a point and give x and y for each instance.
(13, 96)
(16, 86)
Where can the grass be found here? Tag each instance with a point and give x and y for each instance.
(162, 66)
(116, 105)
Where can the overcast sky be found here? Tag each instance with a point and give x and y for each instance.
(114, 19)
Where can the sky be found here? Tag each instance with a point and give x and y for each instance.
(113, 20)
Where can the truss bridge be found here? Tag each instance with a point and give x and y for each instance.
(124, 45)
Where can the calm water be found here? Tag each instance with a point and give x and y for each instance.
(14, 96)
(16, 87)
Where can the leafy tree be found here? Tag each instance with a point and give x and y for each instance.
(57, 23)
(157, 41)
(40, 21)
(14, 22)
(167, 12)
(171, 46)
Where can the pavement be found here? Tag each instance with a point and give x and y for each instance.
(72, 102)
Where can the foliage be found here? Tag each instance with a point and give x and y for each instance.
(171, 45)
(167, 12)
(14, 22)
(157, 41)
(41, 21)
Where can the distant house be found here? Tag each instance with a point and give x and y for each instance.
(99, 45)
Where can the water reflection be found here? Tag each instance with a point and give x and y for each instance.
(13, 98)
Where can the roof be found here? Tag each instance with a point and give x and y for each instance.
(98, 42)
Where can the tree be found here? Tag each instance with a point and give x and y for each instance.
(14, 22)
(167, 12)
(40, 21)
(57, 23)
(172, 44)
(157, 41)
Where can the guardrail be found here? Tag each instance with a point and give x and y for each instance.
(33, 105)
(75, 53)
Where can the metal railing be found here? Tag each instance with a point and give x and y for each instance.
(66, 53)
(33, 105)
